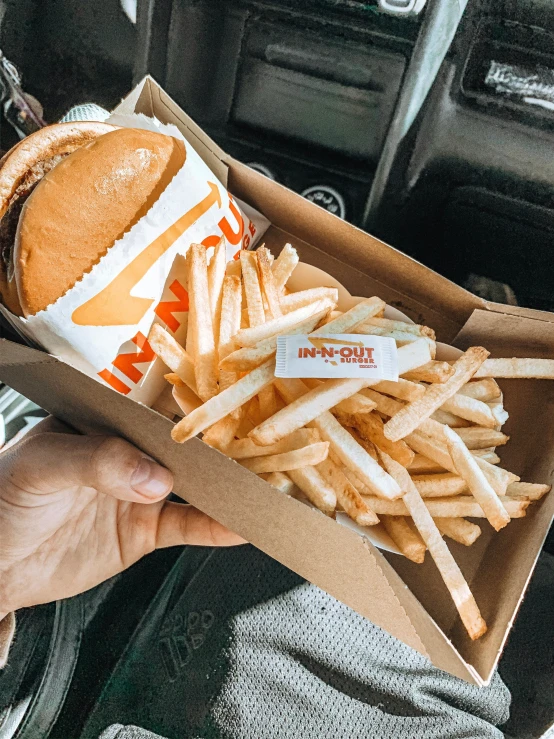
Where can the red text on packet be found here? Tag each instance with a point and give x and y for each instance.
(167, 308)
(356, 352)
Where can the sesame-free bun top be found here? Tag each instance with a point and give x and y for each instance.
(85, 204)
(20, 171)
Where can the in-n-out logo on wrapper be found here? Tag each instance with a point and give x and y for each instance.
(107, 308)
(340, 355)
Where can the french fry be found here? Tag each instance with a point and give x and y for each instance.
(422, 465)
(222, 433)
(233, 268)
(357, 403)
(398, 335)
(440, 485)
(438, 452)
(410, 417)
(279, 326)
(385, 405)
(245, 448)
(321, 398)
(173, 355)
(333, 315)
(476, 437)
(403, 389)
(350, 453)
(190, 340)
(267, 283)
(268, 403)
(449, 419)
(246, 424)
(230, 310)
(467, 467)
(484, 390)
(280, 481)
(183, 395)
(540, 369)
(471, 409)
(433, 371)
(253, 411)
(489, 456)
(388, 325)
(449, 570)
(304, 457)
(249, 357)
(253, 293)
(293, 301)
(406, 539)
(303, 410)
(527, 490)
(284, 266)
(351, 476)
(216, 274)
(460, 506)
(370, 426)
(226, 402)
(366, 444)
(458, 529)
(347, 495)
(200, 319)
(498, 411)
(315, 488)
(347, 321)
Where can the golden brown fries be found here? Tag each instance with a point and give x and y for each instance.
(419, 453)
(267, 283)
(468, 468)
(227, 401)
(440, 485)
(431, 372)
(200, 319)
(542, 369)
(458, 529)
(284, 266)
(410, 417)
(173, 355)
(347, 496)
(315, 488)
(450, 572)
(406, 539)
(298, 458)
(216, 275)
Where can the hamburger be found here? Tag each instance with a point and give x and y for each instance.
(67, 193)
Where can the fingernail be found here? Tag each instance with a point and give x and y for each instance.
(150, 479)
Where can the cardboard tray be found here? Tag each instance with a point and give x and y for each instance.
(407, 600)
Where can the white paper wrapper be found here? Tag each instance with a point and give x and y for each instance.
(100, 325)
(306, 276)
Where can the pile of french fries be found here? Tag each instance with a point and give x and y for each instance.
(417, 455)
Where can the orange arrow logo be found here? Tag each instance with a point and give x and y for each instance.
(114, 305)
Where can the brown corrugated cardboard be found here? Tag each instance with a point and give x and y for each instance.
(410, 601)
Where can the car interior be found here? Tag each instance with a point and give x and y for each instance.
(424, 122)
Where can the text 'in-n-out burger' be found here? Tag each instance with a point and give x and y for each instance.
(95, 221)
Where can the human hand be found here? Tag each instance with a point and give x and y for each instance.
(76, 510)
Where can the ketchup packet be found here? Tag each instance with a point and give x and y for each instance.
(336, 356)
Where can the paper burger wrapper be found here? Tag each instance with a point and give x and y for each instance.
(100, 325)
(304, 277)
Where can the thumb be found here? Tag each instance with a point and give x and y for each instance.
(48, 462)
